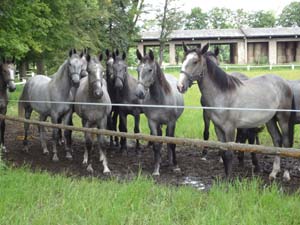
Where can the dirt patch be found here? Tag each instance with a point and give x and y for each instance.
(194, 171)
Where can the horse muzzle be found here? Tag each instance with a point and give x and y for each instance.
(140, 92)
(118, 84)
(76, 80)
(98, 94)
(11, 86)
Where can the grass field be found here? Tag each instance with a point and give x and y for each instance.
(40, 198)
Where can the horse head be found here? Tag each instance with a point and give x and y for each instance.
(109, 66)
(193, 66)
(95, 75)
(74, 67)
(83, 56)
(8, 74)
(119, 69)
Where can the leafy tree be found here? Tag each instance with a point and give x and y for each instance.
(241, 18)
(196, 19)
(262, 19)
(290, 15)
(220, 18)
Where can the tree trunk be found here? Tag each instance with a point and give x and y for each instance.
(23, 69)
(40, 66)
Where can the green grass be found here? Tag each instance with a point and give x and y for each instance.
(39, 198)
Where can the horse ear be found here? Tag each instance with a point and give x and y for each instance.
(88, 58)
(139, 55)
(151, 55)
(114, 56)
(117, 52)
(13, 60)
(204, 49)
(3, 59)
(124, 56)
(185, 48)
(100, 57)
(71, 52)
(198, 46)
(217, 51)
(107, 53)
(74, 51)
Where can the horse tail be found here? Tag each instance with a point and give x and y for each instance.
(292, 121)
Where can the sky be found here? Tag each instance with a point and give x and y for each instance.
(248, 5)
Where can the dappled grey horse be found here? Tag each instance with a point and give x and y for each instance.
(7, 77)
(156, 88)
(40, 91)
(93, 89)
(125, 87)
(223, 90)
(243, 134)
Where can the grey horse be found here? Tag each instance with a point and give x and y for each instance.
(223, 90)
(7, 77)
(156, 88)
(125, 93)
(93, 89)
(39, 93)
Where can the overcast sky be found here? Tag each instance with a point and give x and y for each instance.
(248, 5)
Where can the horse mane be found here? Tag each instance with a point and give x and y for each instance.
(223, 80)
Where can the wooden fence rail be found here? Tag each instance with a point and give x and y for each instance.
(212, 145)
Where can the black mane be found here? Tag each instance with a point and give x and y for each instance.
(223, 80)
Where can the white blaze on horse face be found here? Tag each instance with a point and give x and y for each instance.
(187, 67)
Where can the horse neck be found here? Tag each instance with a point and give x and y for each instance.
(156, 89)
(62, 82)
(3, 86)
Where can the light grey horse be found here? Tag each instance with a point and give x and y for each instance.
(40, 91)
(156, 88)
(223, 90)
(125, 87)
(7, 77)
(93, 89)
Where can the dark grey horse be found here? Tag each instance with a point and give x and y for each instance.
(93, 89)
(125, 87)
(223, 90)
(156, 88)
(7, 77)
(40, 91)
(110, 79)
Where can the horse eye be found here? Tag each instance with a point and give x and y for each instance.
(150, 70)
(195, 62)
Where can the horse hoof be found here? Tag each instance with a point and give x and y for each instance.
(90, 169)
(106, 171)
(220, 160)
(272, 177)
(45, 152)
(203, 158)
(25, 149)
(176, 170)
(4, 149)
(69, 156)
(55, 158)
(155, 174)
(286, 176)
(256, 169)
(61, 142)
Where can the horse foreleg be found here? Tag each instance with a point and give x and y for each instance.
(87, 156)
(252, 135)
(155, 130)
(68, 135)
(241, 137)
(100, 138)
(277, 141)
(2, 127)
(171, 147)
(114, 124)
(28, 111)
(123, 128)
(137, 130)
(42, 136)
(55, 138)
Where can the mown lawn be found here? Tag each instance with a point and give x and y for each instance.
(40, 198)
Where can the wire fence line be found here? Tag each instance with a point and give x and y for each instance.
(212, 145)
(160, 106)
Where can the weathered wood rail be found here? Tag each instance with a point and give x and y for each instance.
(212, 145)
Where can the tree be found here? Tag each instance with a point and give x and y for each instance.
(219, 18)
(196, 19)
(262, 19)
(290, 15)
(241, 18)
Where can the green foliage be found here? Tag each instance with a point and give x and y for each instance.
(290, 15)
(220, 18)
(196, 19)
(262, 19)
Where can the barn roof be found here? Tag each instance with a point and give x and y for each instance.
(225, 33)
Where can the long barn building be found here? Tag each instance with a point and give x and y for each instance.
(247, 45)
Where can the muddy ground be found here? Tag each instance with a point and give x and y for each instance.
(194, 171)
